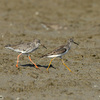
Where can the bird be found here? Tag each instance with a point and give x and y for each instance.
(25, 48)
(59, 52)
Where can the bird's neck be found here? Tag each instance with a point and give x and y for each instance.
(36, 44)
(68, 45)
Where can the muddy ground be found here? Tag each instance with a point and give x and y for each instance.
(20, 21)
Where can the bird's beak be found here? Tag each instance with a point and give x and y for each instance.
(75, 43)
(43, 46)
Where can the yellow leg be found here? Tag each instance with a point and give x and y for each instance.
(33, 62)
(18, 60)
(65, 65)
(50, 63)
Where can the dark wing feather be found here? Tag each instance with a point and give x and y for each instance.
(56, 51)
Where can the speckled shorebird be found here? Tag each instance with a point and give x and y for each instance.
(59, 52)
(25, 48)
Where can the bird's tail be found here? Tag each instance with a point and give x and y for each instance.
(9, 47)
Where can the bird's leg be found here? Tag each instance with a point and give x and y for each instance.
(18, 60)
(50, 63)
(33, 62)
(65, 65)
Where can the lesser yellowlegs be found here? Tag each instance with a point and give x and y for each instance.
(59, 52)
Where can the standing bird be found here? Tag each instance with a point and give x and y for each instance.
(59, 52)
(25, 48)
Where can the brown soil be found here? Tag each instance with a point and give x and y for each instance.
(20, 21)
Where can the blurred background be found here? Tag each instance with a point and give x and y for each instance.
(53, 22)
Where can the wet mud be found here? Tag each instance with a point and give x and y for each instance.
(53, 22)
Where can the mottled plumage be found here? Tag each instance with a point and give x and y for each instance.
(25, 48)
(59, 52)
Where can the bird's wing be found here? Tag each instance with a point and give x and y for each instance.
(56, 51)
(24, 46)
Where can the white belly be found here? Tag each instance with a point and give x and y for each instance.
(58, 55)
